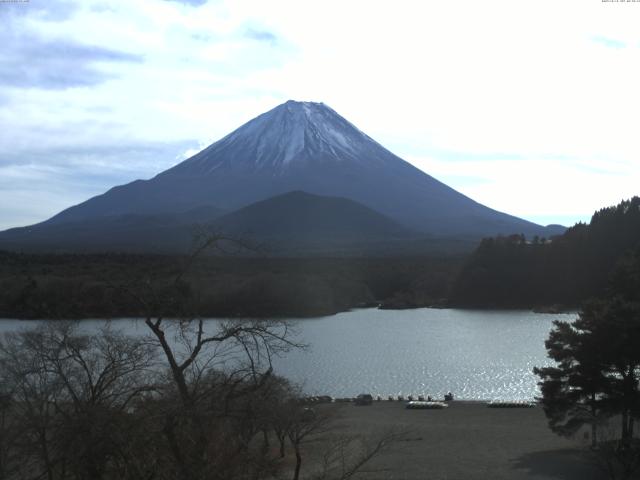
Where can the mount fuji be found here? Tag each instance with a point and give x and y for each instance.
(295, 147)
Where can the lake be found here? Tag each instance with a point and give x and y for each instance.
(476, 354)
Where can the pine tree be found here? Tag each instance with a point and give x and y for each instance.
(598, 361)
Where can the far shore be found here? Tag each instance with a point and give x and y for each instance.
(309, 316)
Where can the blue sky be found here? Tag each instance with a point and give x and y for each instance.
(527, 107)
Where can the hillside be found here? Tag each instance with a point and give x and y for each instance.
(301, 221)
(566, 270)
(142, 233)
(292, 224)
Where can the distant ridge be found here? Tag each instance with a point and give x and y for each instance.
(129, 232)
(302, 219)
(296, 220)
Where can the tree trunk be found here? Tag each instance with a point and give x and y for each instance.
(625, 427)
(45, 454)
(176, 452)
(594, 423)
(296, 474)
(176, 371)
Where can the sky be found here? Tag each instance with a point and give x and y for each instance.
(529, 107)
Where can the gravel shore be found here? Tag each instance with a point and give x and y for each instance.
(469, 441)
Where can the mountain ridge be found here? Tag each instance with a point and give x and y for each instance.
(295, 221)
(302, 146)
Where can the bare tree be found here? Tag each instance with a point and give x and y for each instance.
(239, 351)
(71, 395)
(305, 422)
(193, 399)
(314, 433)
(350, 455)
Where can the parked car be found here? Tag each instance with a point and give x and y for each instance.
(364, 399)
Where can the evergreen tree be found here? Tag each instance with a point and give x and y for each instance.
(566, 271)
(598, 361)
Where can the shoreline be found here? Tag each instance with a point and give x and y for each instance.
(295, 317)
(317, 399)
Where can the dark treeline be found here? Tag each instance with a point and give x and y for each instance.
(563, 271)
(88, 286)
(503, 272)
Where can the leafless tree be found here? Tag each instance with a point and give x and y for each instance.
(315, 434)
(193, 399)
(238, 351)
(304, 423)
(350, 455)
(71, 395)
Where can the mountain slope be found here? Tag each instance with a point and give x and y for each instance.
(149, 233)
(293, 222)
(301, 219)
(304, 146)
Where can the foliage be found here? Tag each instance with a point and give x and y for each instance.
(84, 286)
(597, 376)
(566, 270)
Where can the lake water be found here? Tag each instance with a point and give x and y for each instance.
(477, 355)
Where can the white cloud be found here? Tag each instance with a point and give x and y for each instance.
(546, 190)
(520, 105)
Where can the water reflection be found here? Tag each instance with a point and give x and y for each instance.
(475, 354)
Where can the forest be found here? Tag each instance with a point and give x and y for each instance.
(561, 272)
(95, 285)
(557, 273)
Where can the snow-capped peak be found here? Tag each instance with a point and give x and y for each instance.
(292, 133)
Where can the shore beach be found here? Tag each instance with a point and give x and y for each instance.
(469, 441)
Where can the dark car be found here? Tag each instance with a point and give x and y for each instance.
(364, 399)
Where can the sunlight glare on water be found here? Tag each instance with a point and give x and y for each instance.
(476, 354)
